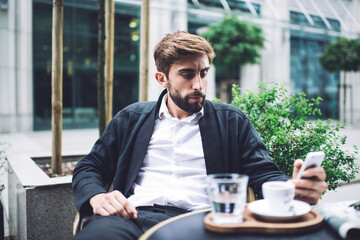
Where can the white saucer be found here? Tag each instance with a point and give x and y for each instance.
(261, 209)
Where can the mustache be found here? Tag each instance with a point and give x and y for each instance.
(197, 94)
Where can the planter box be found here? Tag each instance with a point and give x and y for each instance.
(39, 207)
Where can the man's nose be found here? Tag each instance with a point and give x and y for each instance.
(198, 83)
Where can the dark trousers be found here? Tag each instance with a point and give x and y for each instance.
(113, 227)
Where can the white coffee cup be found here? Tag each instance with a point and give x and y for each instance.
(279, 196)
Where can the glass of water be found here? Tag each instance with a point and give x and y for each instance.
(227, 195)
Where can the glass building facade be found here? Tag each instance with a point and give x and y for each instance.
(80, 57)
(306, 73)
(80, 61)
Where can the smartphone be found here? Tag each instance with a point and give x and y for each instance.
(313, 159)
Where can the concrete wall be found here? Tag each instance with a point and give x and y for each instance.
(39, 207)
(50, 211)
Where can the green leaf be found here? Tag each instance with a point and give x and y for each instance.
(282, 122)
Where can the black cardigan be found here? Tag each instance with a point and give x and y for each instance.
(230, 144)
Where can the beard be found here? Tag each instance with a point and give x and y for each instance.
(183, 102)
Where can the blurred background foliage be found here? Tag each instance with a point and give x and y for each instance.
(235, 42)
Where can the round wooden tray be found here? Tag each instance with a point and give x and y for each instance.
(308, 222)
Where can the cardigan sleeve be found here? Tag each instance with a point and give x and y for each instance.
(240, 146)
(97, 168)
(255, 159)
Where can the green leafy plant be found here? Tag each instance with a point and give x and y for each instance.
(235, 42)
(282, 122)
(342, 55)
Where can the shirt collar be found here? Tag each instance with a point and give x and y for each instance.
(164, 112)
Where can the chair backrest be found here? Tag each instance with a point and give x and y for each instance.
(250, 195)
(77, 224)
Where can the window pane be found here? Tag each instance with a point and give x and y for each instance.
(80, 61)
(308, 76)
(300, 19)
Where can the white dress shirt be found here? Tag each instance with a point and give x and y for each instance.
(173, 172)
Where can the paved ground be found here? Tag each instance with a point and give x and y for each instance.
(81, 141)
(39, 143)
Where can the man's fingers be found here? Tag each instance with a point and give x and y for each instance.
(101, 211)
(105, 210)
(311, 185)
(307, 195)
(309, 191)
(113, 203)
(297, 165)
(118, 208)
(128, 209)
(318, 186)
(317, 172)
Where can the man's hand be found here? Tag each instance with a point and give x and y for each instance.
(112, 204)
(310, 189)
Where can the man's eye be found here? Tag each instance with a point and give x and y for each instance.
(203, 74)
(188, 76)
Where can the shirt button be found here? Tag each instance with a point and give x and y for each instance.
(177, 164)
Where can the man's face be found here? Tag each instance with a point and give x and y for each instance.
(187, 83)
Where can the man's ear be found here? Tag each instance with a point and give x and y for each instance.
(161, 78)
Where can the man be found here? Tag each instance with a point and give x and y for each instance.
(158, 154)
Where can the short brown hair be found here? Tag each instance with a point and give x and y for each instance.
(175, 46)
